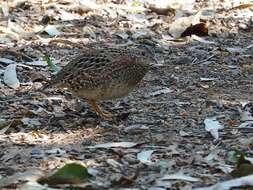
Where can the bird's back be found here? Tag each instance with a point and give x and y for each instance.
(103, 72)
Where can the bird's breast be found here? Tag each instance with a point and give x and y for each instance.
(114, 92)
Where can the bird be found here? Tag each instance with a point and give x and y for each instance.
(104, 73)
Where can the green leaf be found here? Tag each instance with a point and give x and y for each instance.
(48, 60)
(50, 64)
(69, 174)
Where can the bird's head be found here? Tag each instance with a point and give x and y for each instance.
(149, 53)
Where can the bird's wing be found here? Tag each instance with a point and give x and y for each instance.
(85, 66)
(90, 66)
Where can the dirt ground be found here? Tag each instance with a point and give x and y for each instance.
(164, 114)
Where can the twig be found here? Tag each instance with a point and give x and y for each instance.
(202, 61)
(15, 53)
(194, 60)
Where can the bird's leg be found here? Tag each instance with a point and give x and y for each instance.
(97, 109)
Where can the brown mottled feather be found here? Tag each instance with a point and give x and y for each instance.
(101, 70)
(103, 73)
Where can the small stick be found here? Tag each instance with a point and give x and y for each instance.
(202, 61)
(15, 53)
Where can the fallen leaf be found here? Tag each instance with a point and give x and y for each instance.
(18, 30)
(246, 112)
(31, 121)
(6, 61)
(180, 25)
(226, 185)
(88, 30)
(33, 185)
(114, 163)
(199, 29)
(37, 63)
(72, 173)
(179, 176)
(5, 8)
(204, 79)
(235, 49)
(115, 145)
(135, 129)
(52, 30)
(242, 6)
(139, 34)
(164, 90)
(144, 156)
(246, 125)
(30, 175)
(64, 15)
(10, 76)
(213, 126)
(199, 39)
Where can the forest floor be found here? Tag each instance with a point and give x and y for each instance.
(162, 124)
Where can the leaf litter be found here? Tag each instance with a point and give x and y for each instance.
(165, 123)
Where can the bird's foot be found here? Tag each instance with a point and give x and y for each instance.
(106, 115)
(96, 108)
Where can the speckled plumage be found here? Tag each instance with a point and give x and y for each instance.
(104, 73)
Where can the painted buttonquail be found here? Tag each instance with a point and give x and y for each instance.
(104, 73)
